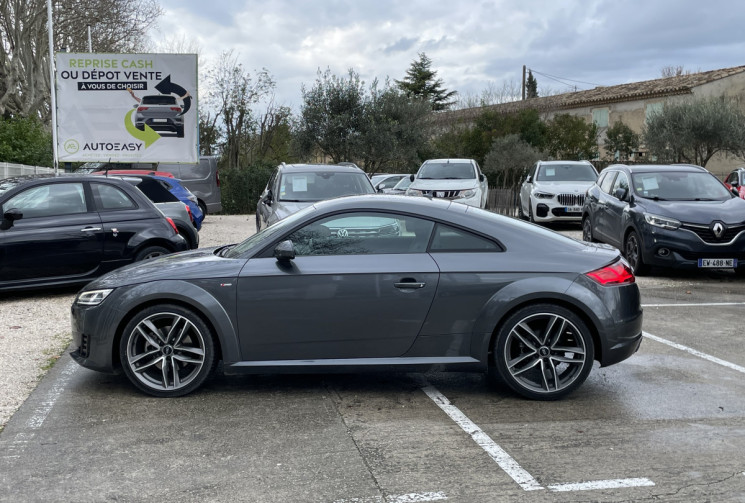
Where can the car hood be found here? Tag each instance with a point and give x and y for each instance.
(563, 187)
(730, 211)
(284, 209)
(191, 265)
(444, 184)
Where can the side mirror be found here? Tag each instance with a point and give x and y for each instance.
(411, 177)
(9, 217)
(379, 187)
(621, 193)
(529, 179)
(284, 251)
(735, 183)
(268, 198)
(481, 177)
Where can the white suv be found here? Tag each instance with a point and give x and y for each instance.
(458, 180)
(555, 191)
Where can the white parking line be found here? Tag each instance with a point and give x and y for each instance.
(602, 484)
(702, 304)
(504, 460)
(403, 498)
(695, 352)
(43, 410)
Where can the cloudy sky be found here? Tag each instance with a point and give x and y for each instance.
(473, 44)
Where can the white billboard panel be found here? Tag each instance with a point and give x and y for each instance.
(127, 107)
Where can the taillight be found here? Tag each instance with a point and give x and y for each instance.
(141, 109)
(615, 274)
(188, 210)
(176, 109)
(172, 224)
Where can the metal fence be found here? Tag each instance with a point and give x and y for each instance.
(503, 201)
(8, 169)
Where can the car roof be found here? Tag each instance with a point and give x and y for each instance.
(133, 172)
(653, 168)
(566, 162)
(309, 168)
(452, 159)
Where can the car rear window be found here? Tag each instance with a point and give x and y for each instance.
(163, 99)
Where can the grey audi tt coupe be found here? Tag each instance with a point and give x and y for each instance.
(368, 283)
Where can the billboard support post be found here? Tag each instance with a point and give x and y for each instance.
(52, 87)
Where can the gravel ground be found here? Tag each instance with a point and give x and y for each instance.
(35, 327)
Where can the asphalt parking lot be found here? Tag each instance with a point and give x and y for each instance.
(666, 425)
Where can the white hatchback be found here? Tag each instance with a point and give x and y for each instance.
(458, 180)
(555, 191)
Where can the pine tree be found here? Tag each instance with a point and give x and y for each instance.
(421, 82)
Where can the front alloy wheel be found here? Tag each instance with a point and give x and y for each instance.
(633, 252)
(167, 351)
(543, 352)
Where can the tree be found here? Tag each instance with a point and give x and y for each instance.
(571, 138)
(331, 116)
(116, 26)
(621, 139)
(531, 86)
(24, 140)
(692, 131)
(508, 159)
(421, 82)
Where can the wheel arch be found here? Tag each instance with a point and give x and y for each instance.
(190, 297)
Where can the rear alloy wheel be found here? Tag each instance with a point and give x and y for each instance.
(543, 352)
(151, 252)
(632, 250)
(587, 231)
(167, 351)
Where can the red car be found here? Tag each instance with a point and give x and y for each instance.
(736, 180)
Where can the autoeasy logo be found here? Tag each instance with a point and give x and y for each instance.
(112, 147)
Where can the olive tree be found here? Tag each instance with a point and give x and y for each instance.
(622, 139)
(508, 159)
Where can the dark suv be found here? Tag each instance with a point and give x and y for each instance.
(64, 230)
(667, 215)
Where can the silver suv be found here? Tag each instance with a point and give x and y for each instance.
(555, 191)
(161, 112)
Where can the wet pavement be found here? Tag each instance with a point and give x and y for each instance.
(667, 424)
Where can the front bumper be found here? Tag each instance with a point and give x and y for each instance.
(681, 248)
(549, 210)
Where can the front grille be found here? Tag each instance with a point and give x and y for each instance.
(571, 199)
(707, 236)
(442, 194)
(83, 349)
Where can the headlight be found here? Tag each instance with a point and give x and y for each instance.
(543, 195)
(467, 193)
(414, 192)
(664, 222)
(92, 297)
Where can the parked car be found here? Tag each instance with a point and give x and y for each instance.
(293, 187)
(554, 191)
(385, 181)
(65, 230)
(671, 216)
(172, 184)
(161, 112)
(157, 189)
(735, 181)
(458, 180)
(400, 187)
(462, 289)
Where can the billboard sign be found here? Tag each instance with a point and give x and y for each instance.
(127, 107)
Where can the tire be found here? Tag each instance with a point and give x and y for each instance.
(141, 127)
(167, 351)
(530, 213)
(187, 237)
(587, 231)
(632, 250)
(543, 352)
(151, 252)
(180, 132)
(202, 207)
(520, 213)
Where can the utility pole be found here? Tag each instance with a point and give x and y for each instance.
(523, 83)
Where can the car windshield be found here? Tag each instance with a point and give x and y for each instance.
(447, 171)
(158, 99)
(403, 184)
(267, 233)
(308, 187)
(680, 186)
(566, 173)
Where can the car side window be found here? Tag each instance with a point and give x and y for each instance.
(49, 200)
(732, 178)
(607, 182)
(109, 197)
(622, 182)
(363, 233)
(451, 239)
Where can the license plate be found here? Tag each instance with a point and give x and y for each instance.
(573, 209)
(160, 120)
(717, 262)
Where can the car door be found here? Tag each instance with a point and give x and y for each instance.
(615, 208)
(600, 207)
(59, 235)
(360, 286)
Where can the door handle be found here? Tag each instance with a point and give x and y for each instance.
(411, 284)
(90, 229)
